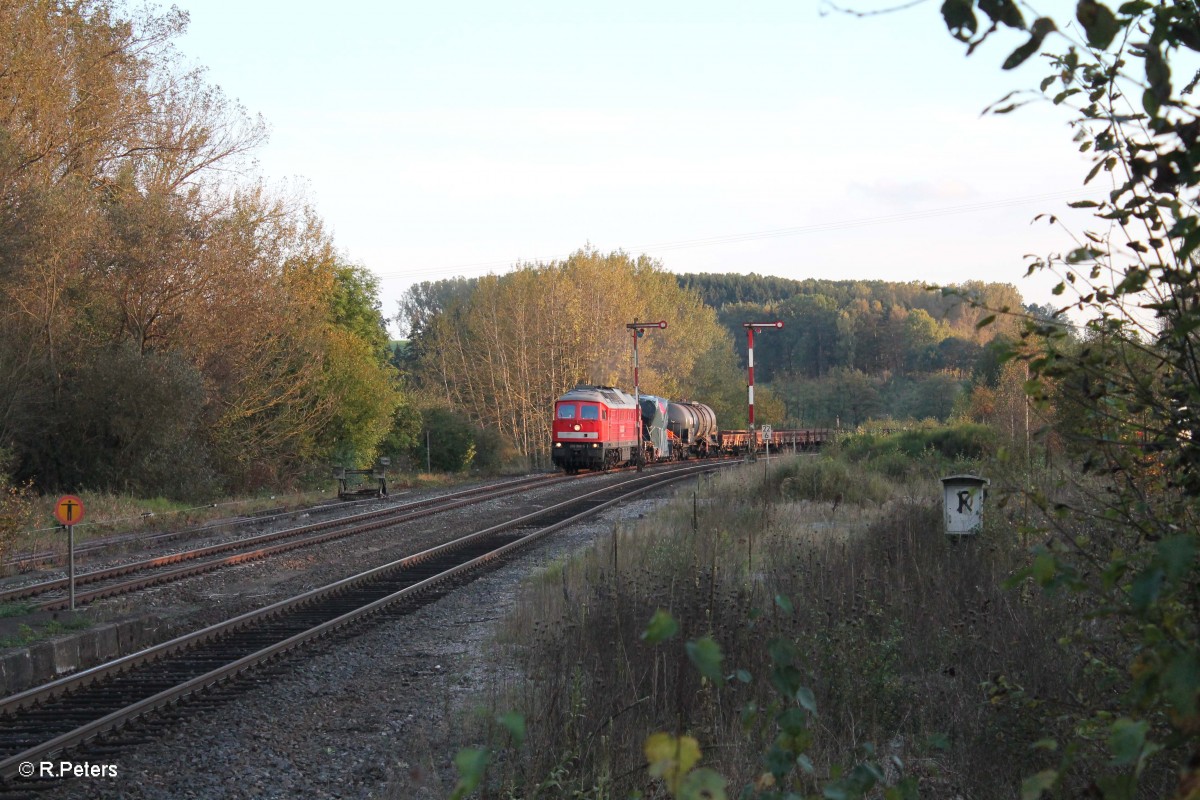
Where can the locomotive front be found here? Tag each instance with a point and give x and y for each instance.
(595, 427)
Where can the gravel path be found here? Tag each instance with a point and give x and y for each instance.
(389, 705)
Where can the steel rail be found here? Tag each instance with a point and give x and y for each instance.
(380, 518)
(116, 719)
(259, 518)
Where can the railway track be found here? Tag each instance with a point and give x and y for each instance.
(42, 722)
(122, 542)
(113, 581)
(23, 562)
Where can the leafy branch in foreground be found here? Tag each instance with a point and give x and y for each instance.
(788, 772)
(1129, 397)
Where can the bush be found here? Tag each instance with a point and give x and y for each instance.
(827, 480)
(448, 443)
(943, 443)
(134, 421)
(16, 508)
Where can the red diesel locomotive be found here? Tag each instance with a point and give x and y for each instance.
(595, 427)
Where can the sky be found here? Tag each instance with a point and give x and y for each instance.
(458, 138)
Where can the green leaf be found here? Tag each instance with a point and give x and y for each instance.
(1150, 103)
(706, 655)
(1158, 73)
(471, 763)
(1098, 21)
(1145, 588)
(1181, 682)
(1004, 12)
(1042, 27)
(1044, 568)
(988, 320)
(787, 680)
(784, 603)
(514, 723)
(792, 722)
(1126, 739)
(1033, 786)
(662, 626)
(779, 761)
(702, 784)
(806, 699)
(1083, 204)
(782, 651)
(1177, 554)
(960, 18)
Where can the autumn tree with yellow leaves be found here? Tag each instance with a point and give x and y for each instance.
(168, 324)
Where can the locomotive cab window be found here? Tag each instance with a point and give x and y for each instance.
(588, 411)
(566, 411)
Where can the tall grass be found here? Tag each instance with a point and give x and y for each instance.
(905, 638)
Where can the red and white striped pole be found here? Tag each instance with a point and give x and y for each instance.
(750, 326)
(639, 330)
(750, 370)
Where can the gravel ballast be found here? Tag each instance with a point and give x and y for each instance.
(376, 713)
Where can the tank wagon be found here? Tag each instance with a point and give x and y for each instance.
(595, 427)
(693, 428)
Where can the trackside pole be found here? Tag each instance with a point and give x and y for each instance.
(69, 511)
(750, 326)
(639, 330)
(71, 563)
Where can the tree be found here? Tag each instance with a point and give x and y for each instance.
(1135, 382)
(127, 227)
(922, 334)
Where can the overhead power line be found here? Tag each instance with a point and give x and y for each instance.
(775, 233)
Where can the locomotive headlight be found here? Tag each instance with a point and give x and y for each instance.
(558, 444)
(577, 426)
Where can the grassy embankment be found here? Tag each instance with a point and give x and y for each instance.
(830, 573)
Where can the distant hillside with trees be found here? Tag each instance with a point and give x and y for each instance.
(850, 351)
(490, 354)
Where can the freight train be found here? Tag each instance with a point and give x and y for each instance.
(596, 427)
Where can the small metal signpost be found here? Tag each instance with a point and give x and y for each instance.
(69, 511)
(767, 433)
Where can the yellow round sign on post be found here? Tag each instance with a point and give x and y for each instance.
(69, 510)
